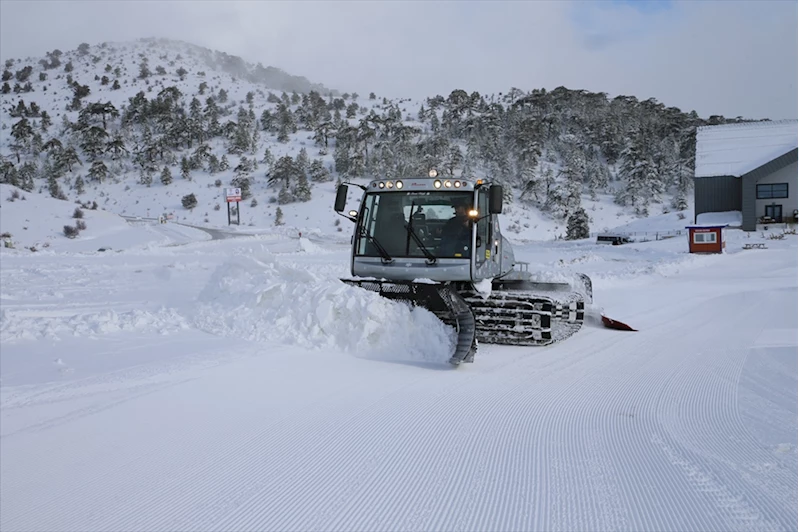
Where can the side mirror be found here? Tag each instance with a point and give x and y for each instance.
(495, 199)
(341, 198)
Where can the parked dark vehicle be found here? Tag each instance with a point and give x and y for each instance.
(614, 240)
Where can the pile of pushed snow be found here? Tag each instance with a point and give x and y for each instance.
(259, 299)
(307, 246)
(732, 218)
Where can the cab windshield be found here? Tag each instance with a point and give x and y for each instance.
(438, 218)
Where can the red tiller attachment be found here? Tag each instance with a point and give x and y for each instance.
(617, 325)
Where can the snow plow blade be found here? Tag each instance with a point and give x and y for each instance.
(441, 300)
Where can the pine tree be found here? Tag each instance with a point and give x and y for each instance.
(680, 202)
(166, 176)
(284, 196)
(54, 188)
(284, 172)
(268, 159)
(214, 165)
(279, 216)
(319, 173)
(98, 171)
(146, 177)
(302, 162)
(577, 225)
(25, 175)
(79, 185)
(303, 190)
(185, 168)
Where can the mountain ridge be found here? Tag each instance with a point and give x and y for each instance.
(155, 120)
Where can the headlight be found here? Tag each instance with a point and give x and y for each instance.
(433, 172)
(457, 184)
(447, 183)
(353, 213)
(390, 184)
(381, 185)
(399, 184)
(437, 183)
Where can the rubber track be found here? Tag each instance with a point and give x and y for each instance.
(517, 317)
(465, 325)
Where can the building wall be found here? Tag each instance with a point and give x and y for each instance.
(716, 194)
(788, 175)
(750, 213)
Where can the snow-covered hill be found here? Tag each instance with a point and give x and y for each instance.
(158, 70)
(36, 223)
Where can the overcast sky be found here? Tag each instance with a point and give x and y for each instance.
(712, 56)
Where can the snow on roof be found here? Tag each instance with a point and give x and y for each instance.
(735, 149)
(706, 226)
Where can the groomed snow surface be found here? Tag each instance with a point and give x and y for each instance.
(182, 383)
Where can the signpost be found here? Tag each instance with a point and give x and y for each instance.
(233, 195)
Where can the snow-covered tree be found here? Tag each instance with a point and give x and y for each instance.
(577, 225)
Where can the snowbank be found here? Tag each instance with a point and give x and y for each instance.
(257, 298)
(733, 218)
(34, 325)
(307, 246)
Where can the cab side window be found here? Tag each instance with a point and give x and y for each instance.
(483, 226)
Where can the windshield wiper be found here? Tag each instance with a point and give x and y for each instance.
(431, 259)
(380, 249)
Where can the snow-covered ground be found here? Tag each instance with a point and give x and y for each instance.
(180, 382)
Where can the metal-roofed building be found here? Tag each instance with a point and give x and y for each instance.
(748, 167)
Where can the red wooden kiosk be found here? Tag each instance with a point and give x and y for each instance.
(706, 238)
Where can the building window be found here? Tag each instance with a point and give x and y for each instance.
(772, 191)
(704, 238)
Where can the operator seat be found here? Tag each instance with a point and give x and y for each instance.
(420, 226)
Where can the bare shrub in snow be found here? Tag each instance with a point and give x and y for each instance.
(188, 201)
(70, 231)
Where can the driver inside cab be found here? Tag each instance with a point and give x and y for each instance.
(456, 235)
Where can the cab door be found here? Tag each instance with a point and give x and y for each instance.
(484, 259)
